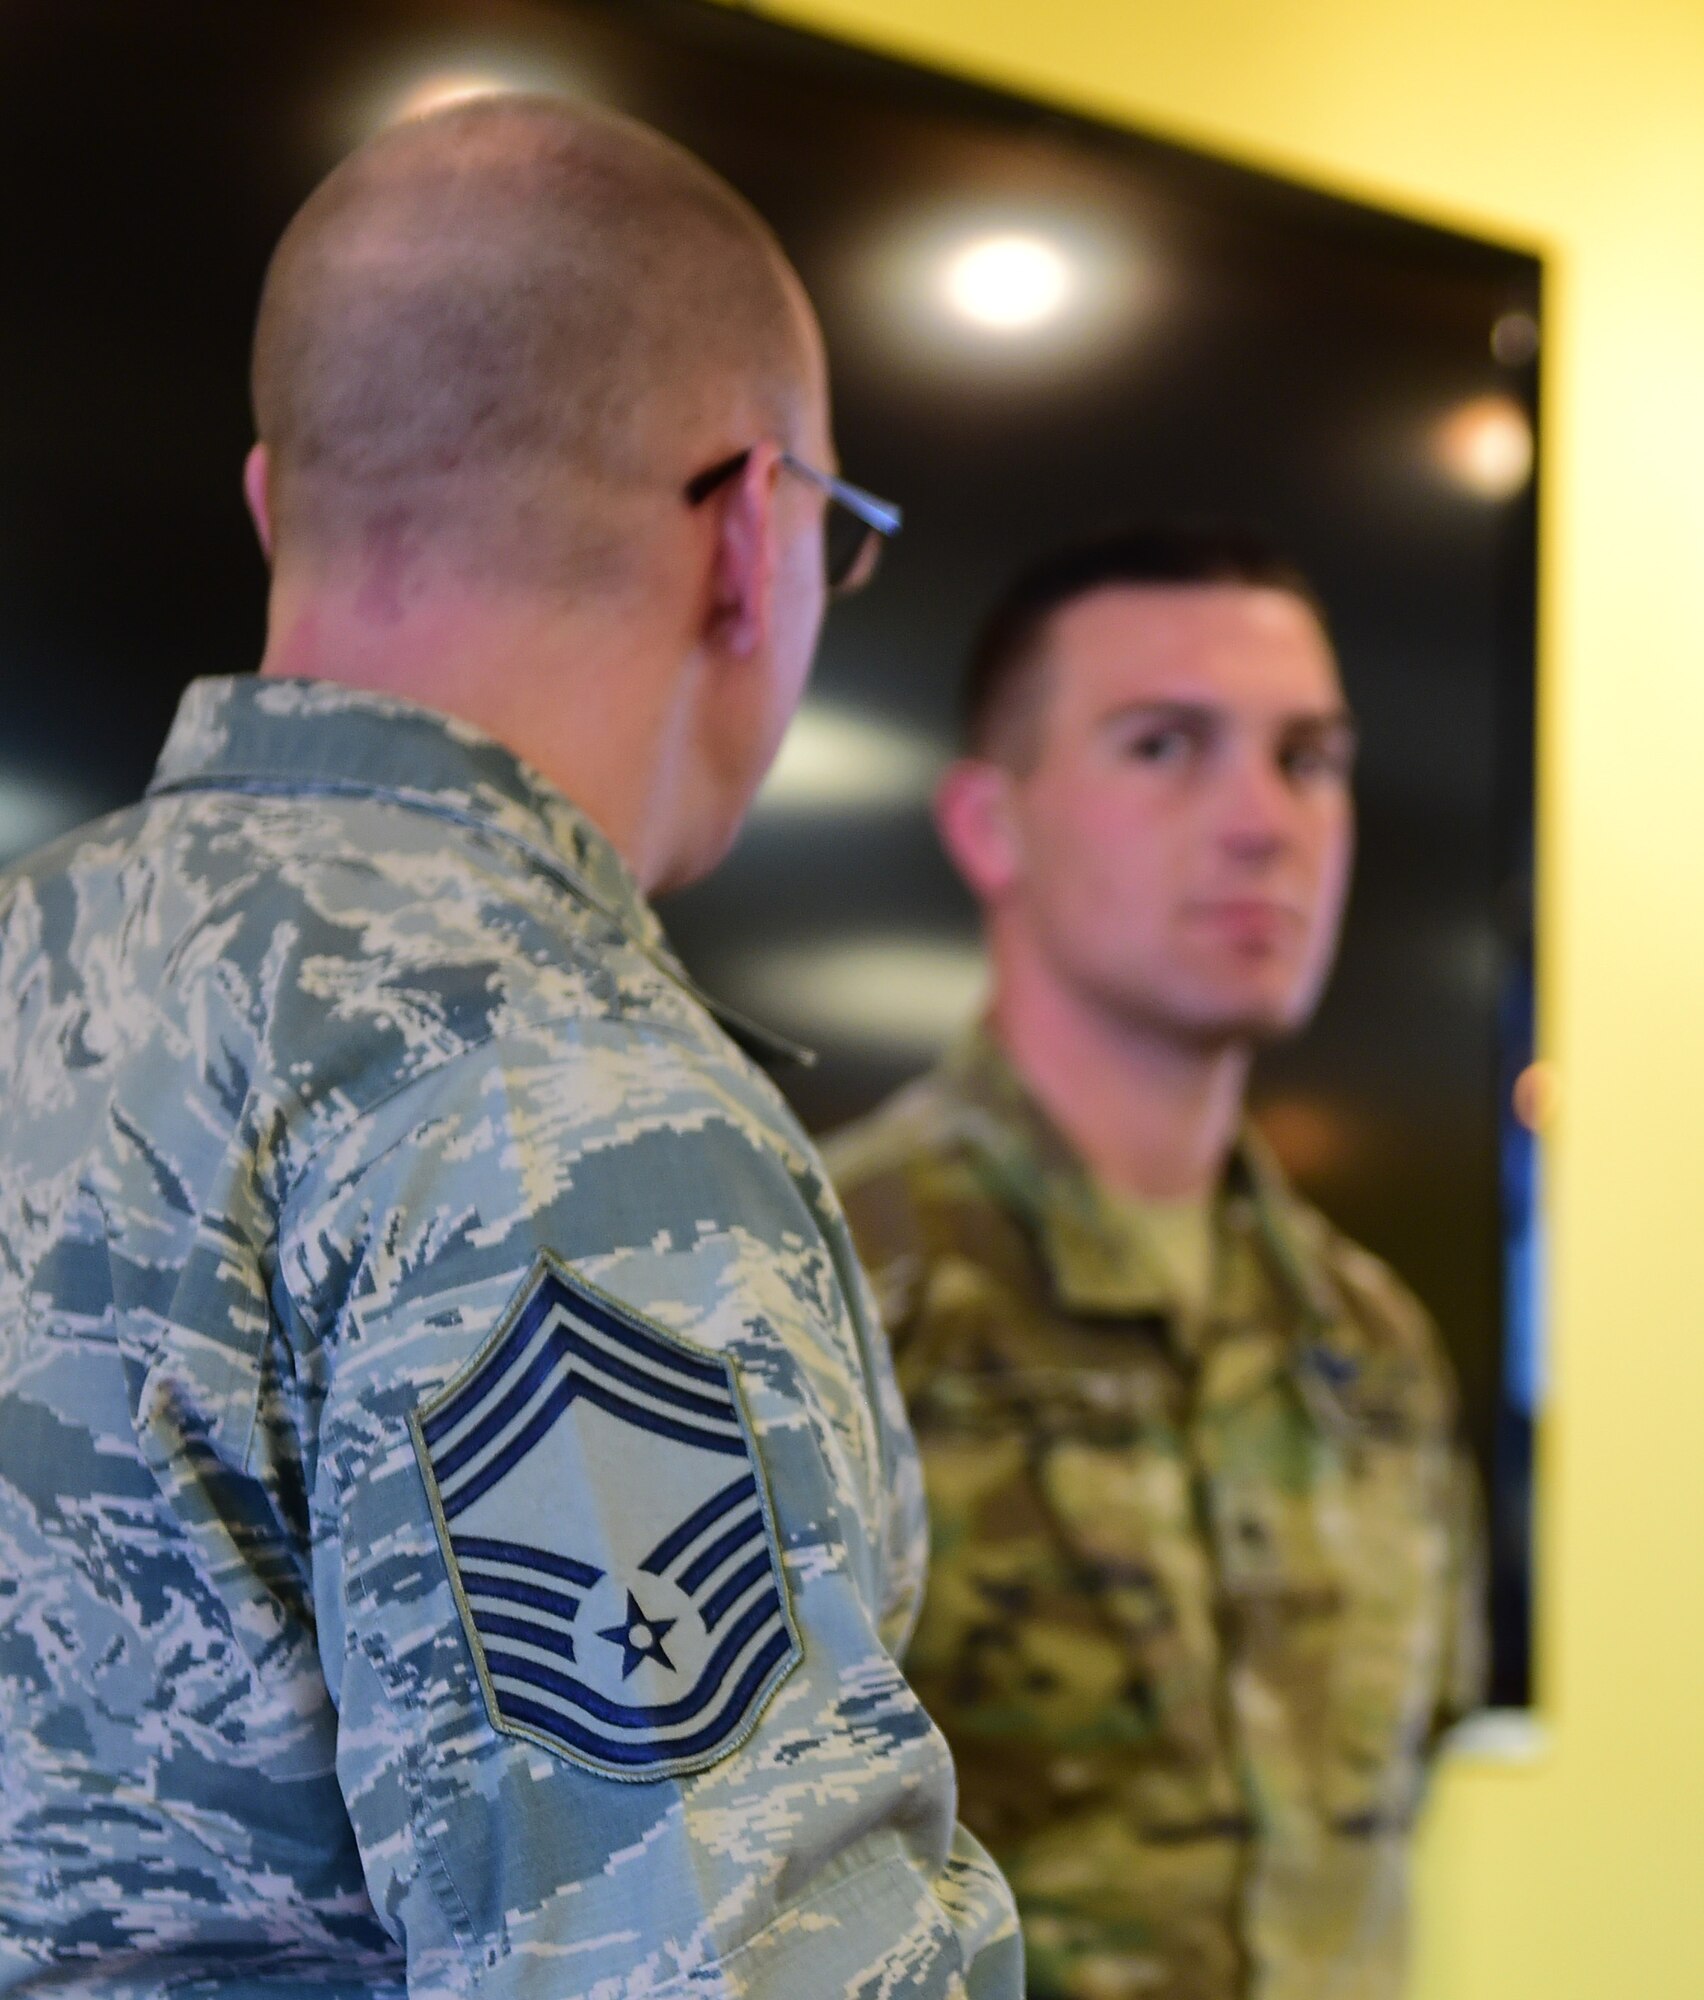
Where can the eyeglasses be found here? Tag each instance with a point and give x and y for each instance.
(856, 525)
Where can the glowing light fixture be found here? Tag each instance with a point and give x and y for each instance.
(1514, 338)
(833, 761)
(417, 82)
(1008, 284)
(35, 809)
(443, 88)
(902, 995)
(1312, 1137)
(1486, 446)
(1015, 289)
(1536, 1094)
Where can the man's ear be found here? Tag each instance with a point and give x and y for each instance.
(257, 470)
(973, 812)
(742, 602)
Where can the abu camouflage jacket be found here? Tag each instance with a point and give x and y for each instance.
(1199, 1601)
(456, 1516)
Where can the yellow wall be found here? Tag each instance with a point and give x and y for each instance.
(1576, 125)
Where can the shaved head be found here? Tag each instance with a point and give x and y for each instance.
(494, 330)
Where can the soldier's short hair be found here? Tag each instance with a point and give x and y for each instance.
(489, 322)
(1003, 683)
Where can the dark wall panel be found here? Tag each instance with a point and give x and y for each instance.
(1228, 344)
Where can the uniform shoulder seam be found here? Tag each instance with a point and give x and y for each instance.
(531, 1024)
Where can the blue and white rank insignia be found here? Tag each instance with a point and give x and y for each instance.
(608, 1531)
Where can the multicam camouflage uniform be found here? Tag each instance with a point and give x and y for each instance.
(454, 1515)
(1200, 1595)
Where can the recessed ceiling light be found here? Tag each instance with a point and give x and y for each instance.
(1486, 446)
(834, 760)
(1514, 338)
(1007, 284)
(36, 807)
(446, 87)
(897, 995)
(997, 288)
(415, 81)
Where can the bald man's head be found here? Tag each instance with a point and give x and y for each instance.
(494, 329)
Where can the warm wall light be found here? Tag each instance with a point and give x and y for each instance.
(1007, 284)
(1535, 1095)
(1486, 447)
(1313, 1139)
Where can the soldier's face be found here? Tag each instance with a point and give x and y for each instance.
(1181, 844)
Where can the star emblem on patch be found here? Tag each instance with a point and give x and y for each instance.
(640, 1638)
(606, 1523)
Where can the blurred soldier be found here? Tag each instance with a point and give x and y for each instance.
(455, 1514)
(1205, 1583)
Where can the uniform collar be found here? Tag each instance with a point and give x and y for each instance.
(1032, 1168)
(254, 734)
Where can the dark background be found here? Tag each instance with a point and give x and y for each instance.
(1242, 348)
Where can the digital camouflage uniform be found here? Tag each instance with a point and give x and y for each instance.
(1200, 1595)
(454, 1511)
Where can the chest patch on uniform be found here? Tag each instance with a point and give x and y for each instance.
(608, 1531)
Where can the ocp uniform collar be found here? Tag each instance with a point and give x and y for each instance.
(1032, 1168)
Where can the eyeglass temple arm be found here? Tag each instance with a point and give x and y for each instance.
(883, 515)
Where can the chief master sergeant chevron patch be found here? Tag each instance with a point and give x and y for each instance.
(608, 1532)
